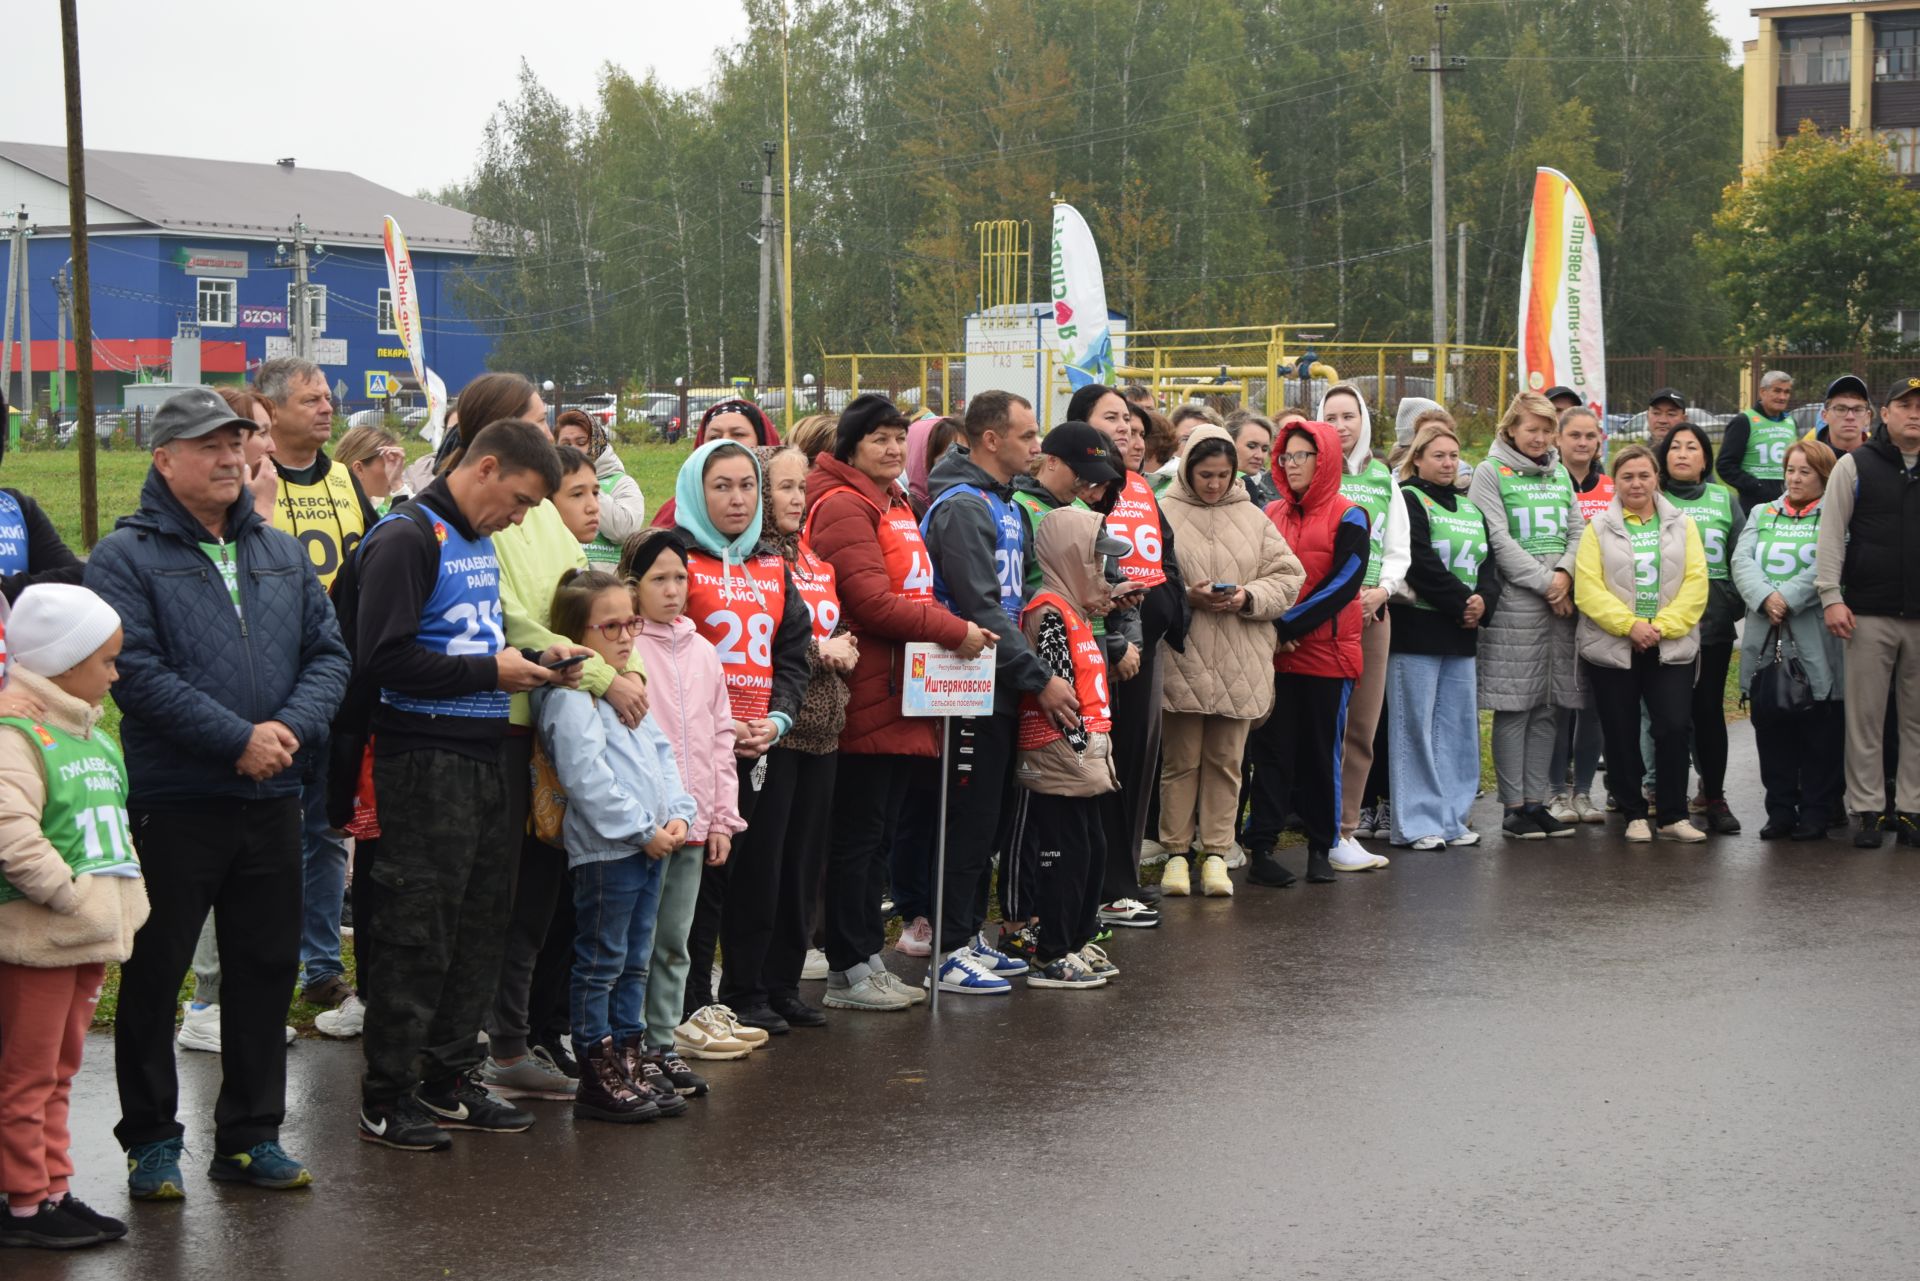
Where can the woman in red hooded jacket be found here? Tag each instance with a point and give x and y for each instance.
(1296, 754)
(859, 521)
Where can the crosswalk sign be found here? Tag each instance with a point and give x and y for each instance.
(379, 384)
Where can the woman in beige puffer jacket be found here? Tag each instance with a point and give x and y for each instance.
(1223, 683)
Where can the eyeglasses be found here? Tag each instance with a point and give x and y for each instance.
(1846, 411)
(619, 627)
(1299, 456)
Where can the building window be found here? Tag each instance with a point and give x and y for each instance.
(215, 301)
(316, 308)
(1814, 60)
(1903, 144)
(1906, 322)
(1896, 46)
(383, 313)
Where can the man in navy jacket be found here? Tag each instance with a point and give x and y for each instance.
(232, 665)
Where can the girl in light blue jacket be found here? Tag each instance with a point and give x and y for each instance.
(626, 811)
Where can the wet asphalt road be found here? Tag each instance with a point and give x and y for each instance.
(1563, 1059)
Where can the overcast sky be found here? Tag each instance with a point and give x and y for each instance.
(331, 84)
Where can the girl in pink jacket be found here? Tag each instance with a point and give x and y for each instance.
(688, 701)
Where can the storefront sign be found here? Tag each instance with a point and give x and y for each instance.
(229, 264)
(263, 318)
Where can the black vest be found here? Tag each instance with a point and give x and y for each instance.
(1882, 574)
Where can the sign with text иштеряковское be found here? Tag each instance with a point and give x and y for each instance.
(940, 683)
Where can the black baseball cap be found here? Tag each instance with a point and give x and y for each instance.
(191, 415)
(1085, 448)
(1669, 395)
(1555, 393)
(1900, 387)
(1848, 382)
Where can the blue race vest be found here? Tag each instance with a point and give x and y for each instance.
(462, 618)
(1009, 551)
(13, 536)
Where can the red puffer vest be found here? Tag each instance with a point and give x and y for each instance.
(1309, 522)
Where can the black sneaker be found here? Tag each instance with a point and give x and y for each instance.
(1866, 836)
(403, 1124)
(797, 1012)
(1547, 823)
(110, 1228)
(1319, 868)
(461, 1103)
(1520, 825)
(1781, 826)
(49, 1228)
(762, 1017)
(686, 1082)
(1264, 869)
(1906, 829)
(1807, 829)
(1720, 819)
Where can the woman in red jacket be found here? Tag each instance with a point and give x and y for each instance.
(1318, 659)
(859, 521)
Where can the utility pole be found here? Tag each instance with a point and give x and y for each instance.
(1436, 64)
(14, 250)
(761, 371)
(82, 273)
(299, 325)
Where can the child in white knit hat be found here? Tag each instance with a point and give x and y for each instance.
(70, 899)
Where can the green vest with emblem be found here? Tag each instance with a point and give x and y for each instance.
(85, 815)
(1644, 538)
(1459, 539)
(1784, 544)
(1539, 508)
(1371, 489)
(1767, 442)
(603, 552)
(1712, 515)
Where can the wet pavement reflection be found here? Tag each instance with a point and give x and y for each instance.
(1569, 1058)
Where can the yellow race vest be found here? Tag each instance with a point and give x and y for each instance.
(326, 517)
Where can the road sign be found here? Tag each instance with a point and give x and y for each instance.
(379, 384)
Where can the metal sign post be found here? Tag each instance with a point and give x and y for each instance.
(941, 683)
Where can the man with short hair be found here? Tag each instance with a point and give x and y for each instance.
(1846, 419)
(324, 507)
(977, 540)
(1563, 398)
(232, 669)
(1864, 564)
(431, 637)
(1666, 409)
(1138, 395)
(1753, 452)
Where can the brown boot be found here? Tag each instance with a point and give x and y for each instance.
(605, 1094)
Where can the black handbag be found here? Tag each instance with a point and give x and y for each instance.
(1779, 692)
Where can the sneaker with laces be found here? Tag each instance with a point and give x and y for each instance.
(264, 1165)
(153, 1171)
(1519, 825)
(1214, 881)
(705, 1036)
(649, 1078)
(961, 973)
(461, 1104)
(1719, 817)
(1129, 913)
(1560, 805)
(1639, 831)
(1176, 879)
(1547, 823)
(1364, 828)
(814, 968)
(753, 1036)
(1683, 831)
(916, 939)
(1587, 811)
(110, 1228)
(50, 1227)
(868, 992)
(1095, 958)
(199, 1028)
(1468, 837)
(1023, 944)
(1431, 842)
(887, 978)
(404, 1124)
(1383, 820)
(344, 1021)
(1068, 973)
(993, 960)
(555, 1055)
(530, 1077)
(686, 1082)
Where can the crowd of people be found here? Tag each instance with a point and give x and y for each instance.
(553, 760)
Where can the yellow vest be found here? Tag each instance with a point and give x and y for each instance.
(325, 517)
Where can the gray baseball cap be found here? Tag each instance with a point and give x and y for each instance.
(191, 415)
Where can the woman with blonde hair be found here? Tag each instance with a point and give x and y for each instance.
(376, 459)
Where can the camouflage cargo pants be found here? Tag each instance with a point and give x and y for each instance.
(439, 894)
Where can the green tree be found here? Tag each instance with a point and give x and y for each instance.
(1814, 251)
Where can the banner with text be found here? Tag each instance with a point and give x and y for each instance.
(1562, 340)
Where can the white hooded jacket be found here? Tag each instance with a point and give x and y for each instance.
(1391, 544)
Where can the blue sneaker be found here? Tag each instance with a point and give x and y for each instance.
(153, 1171)
(962, 973)
(265, 1165)
(993, 960)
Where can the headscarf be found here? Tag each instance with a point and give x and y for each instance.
(690, 502)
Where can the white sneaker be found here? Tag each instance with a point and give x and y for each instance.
(888, 979)
(199, 1029)
(815, 967)
(348, 1019)
(1682, 831)
(1236, 858)
(1152, 852)
(1348, 856)
(1468, 837)
(916, 939)
(1430, 843)
(960, 972)
(1638, 830)
(1589, 812)
(707, 1036)
(1561, 807)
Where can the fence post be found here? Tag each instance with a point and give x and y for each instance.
(1500, 395)
(1660, 367)
(1380, 377)
(1858, 363)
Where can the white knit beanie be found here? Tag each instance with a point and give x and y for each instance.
(55, 627)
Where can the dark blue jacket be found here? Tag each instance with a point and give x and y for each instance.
(194, 677)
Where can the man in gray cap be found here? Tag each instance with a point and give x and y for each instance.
(232, 665)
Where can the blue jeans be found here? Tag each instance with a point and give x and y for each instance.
(1433, 742)
(323, 857)
(615, 902)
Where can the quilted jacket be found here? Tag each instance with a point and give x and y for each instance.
(1526, 657)
(1227, 669)
(194, 677)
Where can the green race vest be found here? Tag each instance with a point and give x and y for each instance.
(85, 817)
(1783, 544)
(1459, 540)
(603, 552)
(1539, 508)
(221, 554)
(1373, 490)
(1767, 442)
(1037, 509)
(1645, 541)
(1712, 515)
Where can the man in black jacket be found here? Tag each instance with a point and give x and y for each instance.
(232, 668)
(976, 538)
(430, 634)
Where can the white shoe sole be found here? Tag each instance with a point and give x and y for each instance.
(1130, 922)
(192, 1041)
(966, 990)
(686, 1051)
(835, 1000)
(1066, 985)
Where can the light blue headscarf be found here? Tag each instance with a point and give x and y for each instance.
(690, 505)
